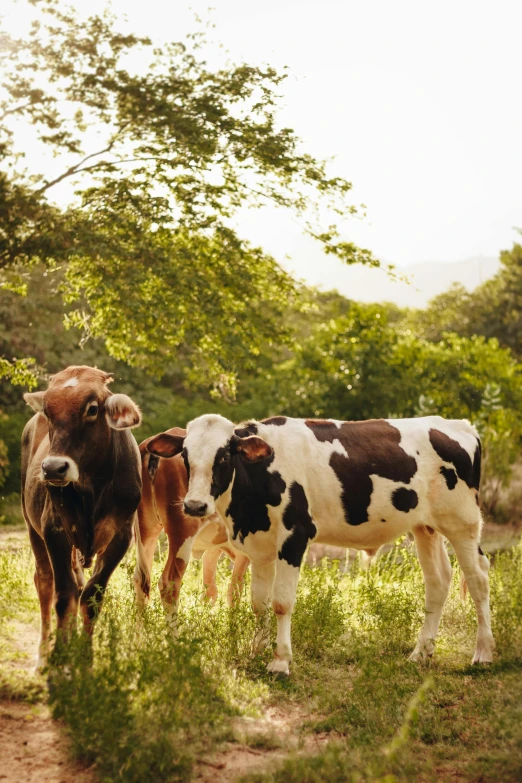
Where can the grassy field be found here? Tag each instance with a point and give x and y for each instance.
(354, 709)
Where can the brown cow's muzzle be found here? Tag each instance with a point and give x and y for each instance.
(59, 471)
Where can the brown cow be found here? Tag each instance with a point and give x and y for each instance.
(161, 508)
(81, 485)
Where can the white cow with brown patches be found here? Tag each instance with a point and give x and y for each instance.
(282, 483)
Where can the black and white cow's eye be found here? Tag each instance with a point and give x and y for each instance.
(224, 459)
(92, 410)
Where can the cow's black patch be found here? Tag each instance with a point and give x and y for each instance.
(254, 488)
(297, 519)
(450, 477)
(373, 448)
(451, 451)
(405, 499)
(222, 471)
(277, 421)
(244, 430)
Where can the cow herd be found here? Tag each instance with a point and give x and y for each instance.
(260, 491)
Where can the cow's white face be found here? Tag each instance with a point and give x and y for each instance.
(207, 454)
(210, 449)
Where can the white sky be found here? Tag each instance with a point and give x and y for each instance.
(419, 103)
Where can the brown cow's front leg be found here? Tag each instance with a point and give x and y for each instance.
(65, 587)
(147, 534)
(43, 580)
(92, 595)
(170, 581)
(210, 561)
(237, 580)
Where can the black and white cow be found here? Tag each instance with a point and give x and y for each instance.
(282, 483)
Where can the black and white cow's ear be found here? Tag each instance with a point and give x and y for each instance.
(166, 444)
(121, 412)
(35, 400)
(253, 449)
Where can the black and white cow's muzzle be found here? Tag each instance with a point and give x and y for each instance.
(195, 508)
(59, 471)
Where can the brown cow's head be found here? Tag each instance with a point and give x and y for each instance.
(80, 412)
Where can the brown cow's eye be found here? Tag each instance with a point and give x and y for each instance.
(92, 410)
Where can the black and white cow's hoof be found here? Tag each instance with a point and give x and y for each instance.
(482, 656)
(421, 655)
(279, 669)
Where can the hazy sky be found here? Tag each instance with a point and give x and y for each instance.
(419, 103)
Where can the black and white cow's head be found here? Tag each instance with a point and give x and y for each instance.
(210, 449)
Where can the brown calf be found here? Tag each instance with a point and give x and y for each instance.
(161, 508)
(81, 485)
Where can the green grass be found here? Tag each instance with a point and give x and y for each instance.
(148, 706)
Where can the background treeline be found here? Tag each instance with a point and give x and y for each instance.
(460, 357)
(124, 170)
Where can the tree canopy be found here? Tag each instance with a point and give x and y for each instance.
(159, 152)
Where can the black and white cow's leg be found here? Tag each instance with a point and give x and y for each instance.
(285, 588)
(436, 567)
(475, 568)
(43, 580)
(261, 586)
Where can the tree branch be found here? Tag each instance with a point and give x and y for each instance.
(17, 109)
(77, 167)
(74, 169)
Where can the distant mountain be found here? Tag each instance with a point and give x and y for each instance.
(427, 280)
(374, 285)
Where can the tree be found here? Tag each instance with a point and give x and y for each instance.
(361, 365)
(152, 263)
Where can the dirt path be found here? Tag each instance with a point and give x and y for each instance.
(33, 748)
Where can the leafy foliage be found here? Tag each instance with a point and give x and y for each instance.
(152, 262)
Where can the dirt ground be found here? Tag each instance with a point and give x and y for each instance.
(33, 748)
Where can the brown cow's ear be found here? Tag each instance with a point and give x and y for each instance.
(166, 445)
(253, 449)
(121, 412)
(35, 400)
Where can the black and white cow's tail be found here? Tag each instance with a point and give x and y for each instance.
(477, 466)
